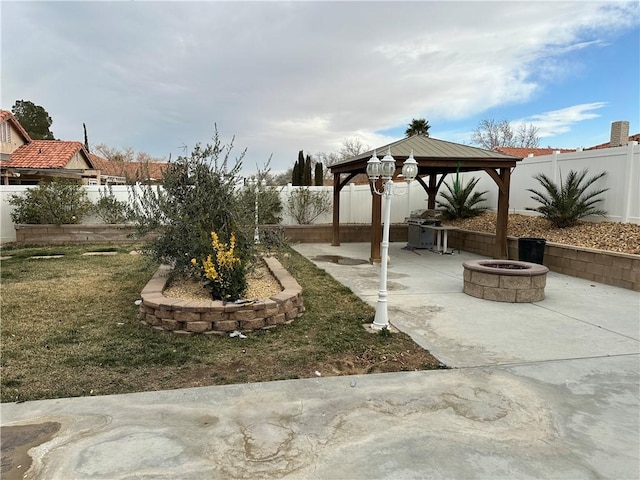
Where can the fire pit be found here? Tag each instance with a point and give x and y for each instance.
(505, 280)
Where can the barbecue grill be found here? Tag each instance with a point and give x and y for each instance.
(418, 236)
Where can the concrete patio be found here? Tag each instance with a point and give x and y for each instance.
(541, 390)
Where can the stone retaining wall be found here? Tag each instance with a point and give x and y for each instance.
(214, 317)
(611, 268)
(78, 234)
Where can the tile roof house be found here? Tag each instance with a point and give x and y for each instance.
(632, 138)
(523, 152)
(27, 161)
(119, 172)
(12, 135)
(619, 136)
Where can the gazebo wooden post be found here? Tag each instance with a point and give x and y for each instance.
(376, 225)
(336, 210)
(503, 213)
(431, 197)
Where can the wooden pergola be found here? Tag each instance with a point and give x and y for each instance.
(436, 159)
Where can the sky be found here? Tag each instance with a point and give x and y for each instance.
(279, 77)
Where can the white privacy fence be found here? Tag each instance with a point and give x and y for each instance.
(622, 166)
(621, 201)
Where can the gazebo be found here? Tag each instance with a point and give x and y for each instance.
(436, 159)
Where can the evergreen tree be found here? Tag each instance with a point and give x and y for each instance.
(307, 172)
(294, 174)
(34, 119)
(319, 175)
(86, 139)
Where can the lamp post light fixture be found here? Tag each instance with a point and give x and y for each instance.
(385, 169)
(254, 183)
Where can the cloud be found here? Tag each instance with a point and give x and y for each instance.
(556, 122)
(282, 76)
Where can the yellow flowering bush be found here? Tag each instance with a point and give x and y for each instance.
(222, 271)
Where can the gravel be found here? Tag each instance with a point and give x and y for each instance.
(614, 237)
(260, 284)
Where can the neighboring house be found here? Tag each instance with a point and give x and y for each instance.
(28, 162)
(632, 138)
(533, 152)
(12, 135)
(120, 172)
(619, 137)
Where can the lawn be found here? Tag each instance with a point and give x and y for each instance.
(70, 328)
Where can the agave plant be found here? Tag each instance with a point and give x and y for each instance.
(567, 203)
(461, 201)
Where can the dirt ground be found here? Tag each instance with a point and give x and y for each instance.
(614, 237)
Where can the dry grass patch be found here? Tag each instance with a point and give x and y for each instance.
(70, 328)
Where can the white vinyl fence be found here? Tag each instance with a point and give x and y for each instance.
(621, 201)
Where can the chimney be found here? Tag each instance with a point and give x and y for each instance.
(619, 134)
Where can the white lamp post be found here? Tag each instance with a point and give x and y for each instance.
(254, 183)
(385, 170)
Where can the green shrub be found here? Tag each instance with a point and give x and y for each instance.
(59, 202)
(269, 204)
(567, 203)
(109, 209)
(461, 201)
(305, 205)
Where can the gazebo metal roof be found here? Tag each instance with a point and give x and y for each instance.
(432, 152)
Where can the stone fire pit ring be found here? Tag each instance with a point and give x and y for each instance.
(510, 281)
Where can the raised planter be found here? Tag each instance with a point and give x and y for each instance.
(505, 280)
(214, 317)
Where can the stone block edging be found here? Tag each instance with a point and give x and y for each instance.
(212, 316)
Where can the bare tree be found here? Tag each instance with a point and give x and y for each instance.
(350, 148)
(491, 134)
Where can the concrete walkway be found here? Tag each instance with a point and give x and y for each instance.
(545, 390)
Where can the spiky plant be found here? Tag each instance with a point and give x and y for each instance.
(461, 201)
(568, 202)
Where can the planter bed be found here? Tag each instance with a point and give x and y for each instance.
(214, 317)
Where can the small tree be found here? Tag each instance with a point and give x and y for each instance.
(59, 202)
(567, 203)
(305, 206)
(200, 196)
(461, 201)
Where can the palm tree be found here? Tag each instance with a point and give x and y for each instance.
(418, 126)
(567, 203)
(461, 201)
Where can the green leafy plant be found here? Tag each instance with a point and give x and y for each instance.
(305, 205)
(461, 201)
(269, 203)
(109, 209)
(199, 196)
(568, 202)
(59, 202)
(222, 271)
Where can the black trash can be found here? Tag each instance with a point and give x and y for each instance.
(531, 250)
